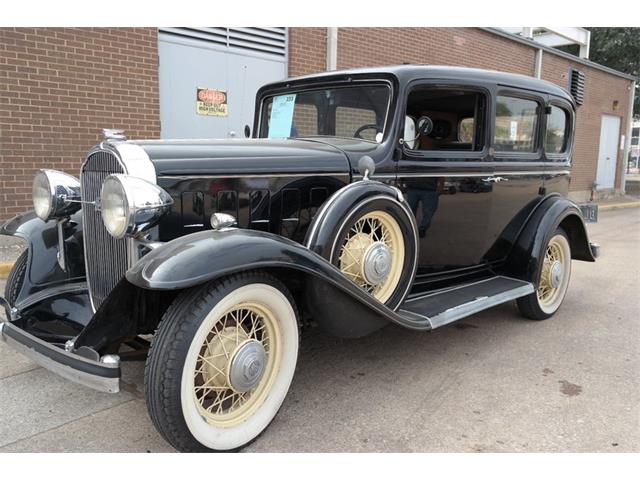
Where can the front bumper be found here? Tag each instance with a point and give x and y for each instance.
(100, 376)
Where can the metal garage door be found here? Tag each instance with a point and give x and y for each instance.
(209, 78)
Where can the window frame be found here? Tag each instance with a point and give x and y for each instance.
(364, 82)
(449, 155)
(569, 129)
(541, 100)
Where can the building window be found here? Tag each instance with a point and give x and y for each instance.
(516, 124)
(556, 136)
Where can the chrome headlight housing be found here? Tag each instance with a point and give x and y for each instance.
(131, 205)
(55, 194)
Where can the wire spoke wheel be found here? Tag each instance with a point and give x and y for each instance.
(553, 268)
(372, 254)
(236, 364)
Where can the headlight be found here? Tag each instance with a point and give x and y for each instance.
(55, 194)
(131, 205)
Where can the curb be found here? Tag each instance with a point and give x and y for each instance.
(616, 206)
(5, 268)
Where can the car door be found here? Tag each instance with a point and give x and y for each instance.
(445, 180)
(519, 167)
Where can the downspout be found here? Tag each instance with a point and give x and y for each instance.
(332, 48)
(627, 139)
(538, 66)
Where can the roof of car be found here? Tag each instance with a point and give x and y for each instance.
(406, 73)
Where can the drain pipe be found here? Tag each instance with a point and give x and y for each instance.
(332, 48)
(538, 64)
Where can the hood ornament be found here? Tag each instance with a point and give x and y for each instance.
(113, 134)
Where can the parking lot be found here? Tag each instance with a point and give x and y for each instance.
(490, 383)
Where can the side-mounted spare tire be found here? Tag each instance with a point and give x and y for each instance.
(368, 231)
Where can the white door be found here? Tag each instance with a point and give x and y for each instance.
(608, 152)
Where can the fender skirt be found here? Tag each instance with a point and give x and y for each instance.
(333, 300)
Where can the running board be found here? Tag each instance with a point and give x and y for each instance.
(446, 306)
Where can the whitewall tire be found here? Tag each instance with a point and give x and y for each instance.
(553, 281)
(222, 361)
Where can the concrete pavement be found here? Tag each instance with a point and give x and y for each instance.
(490, 383)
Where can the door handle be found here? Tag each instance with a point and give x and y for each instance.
(495, 179)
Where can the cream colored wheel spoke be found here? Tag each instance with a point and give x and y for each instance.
(216, 397)
(555, 263)
(374, 229)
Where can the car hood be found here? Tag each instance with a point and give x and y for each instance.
(244, 156)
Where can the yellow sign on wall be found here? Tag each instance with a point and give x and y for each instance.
(211, 102)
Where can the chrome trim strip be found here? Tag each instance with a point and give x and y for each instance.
(69, 365)
(464, 174)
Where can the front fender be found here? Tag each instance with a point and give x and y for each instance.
(555, 211)
(193, 259)
(43, 270)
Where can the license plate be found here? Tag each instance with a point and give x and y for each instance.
(589, 212)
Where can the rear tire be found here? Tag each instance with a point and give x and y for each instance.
(204, 390)
(16, 278)
(553, 282)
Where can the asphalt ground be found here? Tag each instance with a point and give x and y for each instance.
(493, 382)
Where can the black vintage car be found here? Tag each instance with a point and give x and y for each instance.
(413, 195)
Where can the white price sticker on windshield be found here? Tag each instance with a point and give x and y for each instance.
(281, 118)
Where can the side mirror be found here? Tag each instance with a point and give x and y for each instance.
(409, 137)
(247, 131)
(425, 125)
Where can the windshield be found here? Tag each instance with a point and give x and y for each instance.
(352, 112)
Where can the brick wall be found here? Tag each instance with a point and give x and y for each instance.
(601, 90)
(60, 87)
(307, 50)
(471, 47)
(468, 47)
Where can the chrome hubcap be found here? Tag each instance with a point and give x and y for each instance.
(247, 365)
(377, 263)
(555, 274)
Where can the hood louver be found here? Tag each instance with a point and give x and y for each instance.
(576, 85)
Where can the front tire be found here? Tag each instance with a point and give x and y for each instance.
(553, 282)
(221, 362)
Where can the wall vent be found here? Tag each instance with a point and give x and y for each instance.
(576, 85)
(263, 40)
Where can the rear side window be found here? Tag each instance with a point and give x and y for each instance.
(556, 137)
(516, 124)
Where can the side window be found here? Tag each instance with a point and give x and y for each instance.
(555, 140)
(447, 119)
(516, 124)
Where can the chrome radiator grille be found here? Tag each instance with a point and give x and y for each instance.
(105, 256)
